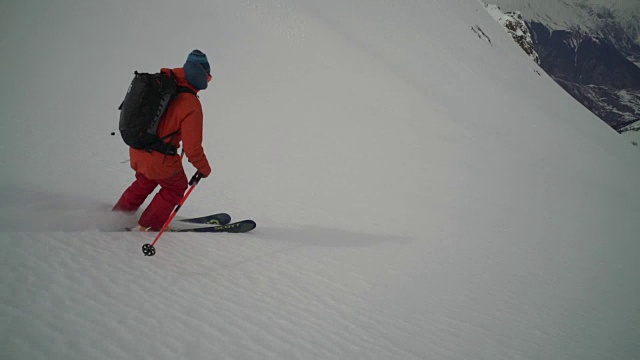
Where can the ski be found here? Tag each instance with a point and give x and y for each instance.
(214, 219)
(236, 227)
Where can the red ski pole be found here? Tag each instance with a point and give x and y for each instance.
(148, 249)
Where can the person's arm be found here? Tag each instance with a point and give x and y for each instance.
(191, 129)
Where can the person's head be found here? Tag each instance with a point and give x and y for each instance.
(197, 70)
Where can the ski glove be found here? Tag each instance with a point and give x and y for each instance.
(196, 178)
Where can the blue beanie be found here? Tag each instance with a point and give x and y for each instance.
(197, 69)
(199, 57)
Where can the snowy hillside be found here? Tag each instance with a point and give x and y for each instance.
(420, 191)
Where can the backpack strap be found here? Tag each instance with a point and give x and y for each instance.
(162, 147)
(167, 148)
(184, 89)
(181, 89)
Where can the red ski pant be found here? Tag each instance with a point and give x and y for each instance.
(156, 214)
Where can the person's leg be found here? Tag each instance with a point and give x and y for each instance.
(136, 194)
(171, 192)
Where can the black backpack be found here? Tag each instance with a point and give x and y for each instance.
(142, 109)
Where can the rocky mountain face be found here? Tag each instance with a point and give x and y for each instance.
(592, 70)
(516, 27)
(595, 61)
(620, 27)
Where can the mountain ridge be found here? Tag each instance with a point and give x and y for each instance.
(591, 49)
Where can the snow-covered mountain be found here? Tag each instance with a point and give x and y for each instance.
(590, 48)
(421, 188)
(617, 21)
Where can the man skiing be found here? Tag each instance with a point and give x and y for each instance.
(182, 121)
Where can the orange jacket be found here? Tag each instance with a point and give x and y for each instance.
(183, 115)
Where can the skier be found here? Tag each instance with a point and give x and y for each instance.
(183, 118)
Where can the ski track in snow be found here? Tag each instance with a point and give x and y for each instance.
(183, 297)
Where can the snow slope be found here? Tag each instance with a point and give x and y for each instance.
(419, 192)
